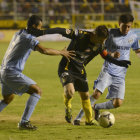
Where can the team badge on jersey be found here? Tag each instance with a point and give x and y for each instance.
(68, 31)
(95, 48)
(76, 32)
(130, 40)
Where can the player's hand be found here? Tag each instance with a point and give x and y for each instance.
(68, 54)
(116, 54)
(125, 63)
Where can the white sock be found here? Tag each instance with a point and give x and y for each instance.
(30, 105)
(105, 105)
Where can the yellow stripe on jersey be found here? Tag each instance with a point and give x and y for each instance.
(82, 72)
(66, 67)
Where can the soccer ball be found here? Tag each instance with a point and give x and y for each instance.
(106, 119)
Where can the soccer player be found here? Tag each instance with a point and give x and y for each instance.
(13, 81)
(119, 43)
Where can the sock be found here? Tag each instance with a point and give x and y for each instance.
(81, 113)
(105, 105)
(67, 102)
(30, 105)
(2, 105)
(92, 100)
(87, 110)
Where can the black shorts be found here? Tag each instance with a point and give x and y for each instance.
(79, 81)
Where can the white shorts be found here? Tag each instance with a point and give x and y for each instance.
(14, 82)
(116, 85)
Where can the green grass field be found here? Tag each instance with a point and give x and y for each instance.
(49, 112)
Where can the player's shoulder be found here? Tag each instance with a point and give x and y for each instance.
(114, 30)
(25, 35)
(83, 32)
(132, 33)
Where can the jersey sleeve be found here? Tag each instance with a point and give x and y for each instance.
(104, 53)
(68, 33)
(32, 42)
(136, 44)
(107, 57)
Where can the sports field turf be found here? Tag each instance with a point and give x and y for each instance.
(49, 112)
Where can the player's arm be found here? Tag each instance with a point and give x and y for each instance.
(68, 33)
(122, 63)
(136, 47)
(114, 54)
(137, 52)
(48, 51)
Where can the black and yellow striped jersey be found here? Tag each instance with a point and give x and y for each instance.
(84, 49)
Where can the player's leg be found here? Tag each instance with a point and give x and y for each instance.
(18, 83)
(7, 95)
(86, 105)
(116, 92)
(67, 82)
(96, 94)
(68, 94)
(117, 102)
(6, 100)
(35, 93)
(99, 87)
(114, 103)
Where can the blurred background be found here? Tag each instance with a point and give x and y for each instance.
(85, 14)
(66, 13)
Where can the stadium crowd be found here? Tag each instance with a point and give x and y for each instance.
(56, 6)
(60, 9)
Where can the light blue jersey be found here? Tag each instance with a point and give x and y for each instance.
(18, 51)
(11, 77)
(122, 44)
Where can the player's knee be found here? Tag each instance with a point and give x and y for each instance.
(68, 96)
(8, 99)
(69, 93)
(117, 103)
(34, 89)
(96, 94)
(39, 91)
(84, 95)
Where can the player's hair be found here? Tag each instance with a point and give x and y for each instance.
(102, 31)
(125, 18)
(33, 20)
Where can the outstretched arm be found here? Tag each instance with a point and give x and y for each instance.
(69, 33)
(122, 63)
(37, 32)
(49, 51)
(138, 52)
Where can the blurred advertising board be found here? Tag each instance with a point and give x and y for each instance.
(89, 24)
